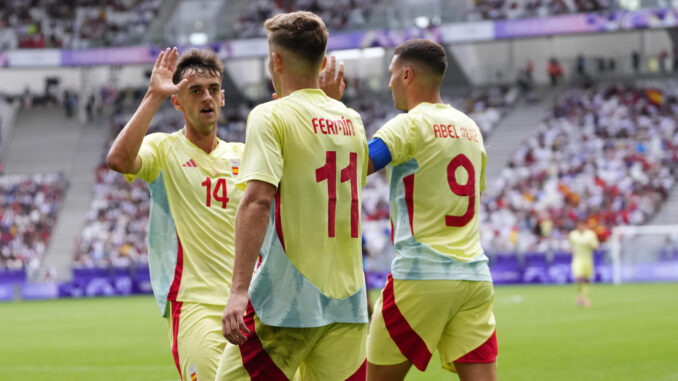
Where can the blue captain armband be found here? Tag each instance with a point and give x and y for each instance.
(379, 153)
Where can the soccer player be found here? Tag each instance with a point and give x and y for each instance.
(440, 292)
(191, 176)
(304, 163)
(583, 241)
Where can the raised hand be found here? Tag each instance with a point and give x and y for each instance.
(161, 77)
(332, 80)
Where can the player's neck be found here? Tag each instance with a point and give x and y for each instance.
(415, 98)
(205, 141)
(291, 84)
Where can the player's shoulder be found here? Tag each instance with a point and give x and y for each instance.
(233, 148)
(263, 108)
(161, 138)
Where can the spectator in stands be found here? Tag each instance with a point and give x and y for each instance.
(607, 155)
(28, 212)
(554, 70)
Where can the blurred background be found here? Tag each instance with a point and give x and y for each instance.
(577, 101)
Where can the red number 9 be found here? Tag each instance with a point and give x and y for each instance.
(468, 189)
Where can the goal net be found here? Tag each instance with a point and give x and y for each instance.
(647, 253)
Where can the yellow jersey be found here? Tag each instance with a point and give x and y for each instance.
(436, 174)
(583, 244)
(313, 149)
(191, 236)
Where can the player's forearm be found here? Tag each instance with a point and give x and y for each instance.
(125, 148)
(250, 230)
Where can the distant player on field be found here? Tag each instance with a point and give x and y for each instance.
(440, 293)
(191, 176)
(583, 241)
(304, 164)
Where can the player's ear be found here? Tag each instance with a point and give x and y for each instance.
(223, 98)
(277, 62)
(408, 74)
(176, 103)
(324, 64)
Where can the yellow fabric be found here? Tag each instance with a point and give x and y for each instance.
(582, 244)
(206, 234)
(453, 316)
(425, 135)
(287, 142)
(199, 340)
(330, 353)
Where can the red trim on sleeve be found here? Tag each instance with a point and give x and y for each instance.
(391, 221)
(485, 353)
(408, 341)
(178, 270)
(176, 312)
(278, 223)
(256, 361)
(409, 199)
(360, 374)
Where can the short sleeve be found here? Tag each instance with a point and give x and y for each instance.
(483, 181)
(594, 240)
(152, 158)
(396, 134)
(262, 158)
(366, 152)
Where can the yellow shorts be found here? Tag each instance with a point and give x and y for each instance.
(196, 339)
(582, 269)
(328, 353)
(414, 317)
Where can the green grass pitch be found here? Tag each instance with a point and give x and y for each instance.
(630, 333)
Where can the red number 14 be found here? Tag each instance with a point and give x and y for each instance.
(220, 193)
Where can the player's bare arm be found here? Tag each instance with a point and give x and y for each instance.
(123, 156)
(251, 222)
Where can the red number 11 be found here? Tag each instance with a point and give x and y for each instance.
(350, 173)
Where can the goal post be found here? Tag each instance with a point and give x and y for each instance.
(645, 253)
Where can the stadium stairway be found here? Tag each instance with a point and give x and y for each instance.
(44, 141)
(668, 214)
(518, 126)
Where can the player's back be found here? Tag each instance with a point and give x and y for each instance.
(316, 212)
(437, 174)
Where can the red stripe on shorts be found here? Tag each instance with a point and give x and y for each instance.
(176, 312)
(257, 362)
(409, 199)
(178, 270)
(360, 374)
(278, 223)
(485, 353)
(408, 341)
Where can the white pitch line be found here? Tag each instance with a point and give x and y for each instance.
(79, 368)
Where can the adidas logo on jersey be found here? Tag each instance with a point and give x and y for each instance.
(189, 163)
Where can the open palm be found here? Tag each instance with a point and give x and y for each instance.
(161, 77)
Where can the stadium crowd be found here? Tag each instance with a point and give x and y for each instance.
(338, 15)
(607, 155)
(516, 9)
(74, 24)
(29, 205)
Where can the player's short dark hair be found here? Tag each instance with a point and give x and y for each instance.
(426, 52)
(198, 60)
(302, 33)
